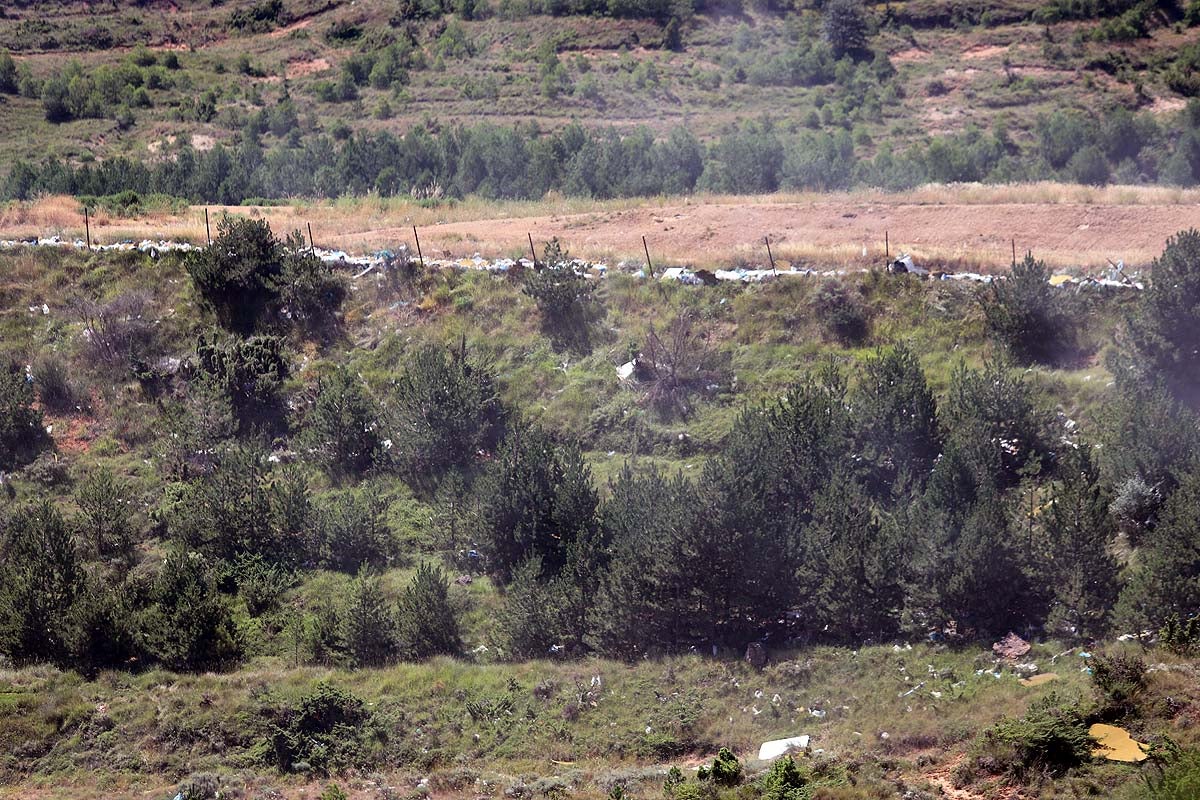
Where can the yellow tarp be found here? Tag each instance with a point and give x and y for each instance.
(1116, 744)
(1059, 280)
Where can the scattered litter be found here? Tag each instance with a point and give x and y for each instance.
(1115, 744)
(625, 371)
(769, 751)
(383, 260)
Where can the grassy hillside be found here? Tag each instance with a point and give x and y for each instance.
(884, 723)
(289, 715)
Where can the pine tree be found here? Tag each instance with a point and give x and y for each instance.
(40, 578)
(895, 416)
(21, 431)
(846, 27)
(446, 409)
(340, 430)
(991, 417)
(850, 571)
(189, 625)
(1165, 580)
(651, 593)
(962, 568)
(427, 622)
(756, 497)
(1078, 566)
(104, 512)
(368, 624)
(1166, 327)
(535, 500)
(1026, 314)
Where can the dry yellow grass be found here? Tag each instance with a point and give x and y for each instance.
(967, 226)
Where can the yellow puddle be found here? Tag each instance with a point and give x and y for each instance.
(1038, 680)
(1116, 744)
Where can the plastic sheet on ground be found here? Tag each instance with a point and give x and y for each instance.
(769, 751)
(1115, 744)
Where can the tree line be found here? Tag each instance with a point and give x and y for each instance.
(523, 162)
(860, 506)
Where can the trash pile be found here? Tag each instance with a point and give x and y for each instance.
(1114, 278)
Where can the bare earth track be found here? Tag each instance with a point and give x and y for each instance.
(1082, 235)
(957, 228)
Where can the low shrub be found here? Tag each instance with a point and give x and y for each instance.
(1051, 738)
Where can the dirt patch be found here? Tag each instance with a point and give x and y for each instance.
(940, 777)
(202, 141)
(298, 69)
(286, 29)
(984, 51)
(911, 55)
(961, 228)
(1167, 105)
(713, 232)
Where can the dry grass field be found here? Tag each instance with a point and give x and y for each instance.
(964, 227)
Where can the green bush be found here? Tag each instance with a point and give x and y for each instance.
(1120, 679)
(250, 278)
(53, 382)
(22, 434)
(844, 313)
(250, 373)
(258, 18)
(1027, 315)
(323, 733)
(726, 770)
(1051, 738)
(427, 623)
(340, 431)
(1178, 779)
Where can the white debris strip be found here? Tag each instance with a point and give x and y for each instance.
(363, 264)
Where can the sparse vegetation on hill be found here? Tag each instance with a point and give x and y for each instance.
(299, 99)
(430, 474)
(272, 527)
